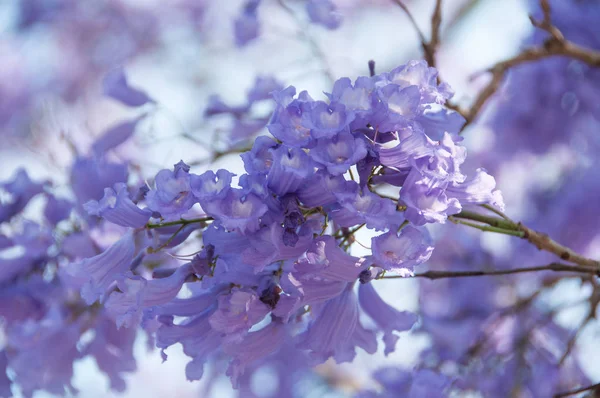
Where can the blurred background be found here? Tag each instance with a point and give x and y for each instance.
(55, 53)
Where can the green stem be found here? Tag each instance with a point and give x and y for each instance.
(487, 228)
(491, 221)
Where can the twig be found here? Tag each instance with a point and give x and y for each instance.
(544, 242)
(507, 226)
(593, 388)
(556, 267)
(179, 222)
(436, 22)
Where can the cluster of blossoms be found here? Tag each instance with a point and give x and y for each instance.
(274, 280)
(46, 322)
(274, 277)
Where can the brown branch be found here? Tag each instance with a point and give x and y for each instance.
(544, 242)
(556, 267)
(436, 21)
(594, 388)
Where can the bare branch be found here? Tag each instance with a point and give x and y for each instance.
(436, 22)
(555, 46)
(556, 267)
(594, 388)
(544, 242)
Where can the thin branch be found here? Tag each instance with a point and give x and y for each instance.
(593, 388)
(507, 226)
(573, 339)
(556, 267)
(436, 22)
(544, 242)
(181, 222)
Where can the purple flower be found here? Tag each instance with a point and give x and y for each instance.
(272, 244)
(401, 252)
(42, 354)
(21, 190)
(254, 346)
(115, 136)
(210, 186)
(246, 26)
(112, 349)
(443, 164)
(172, 196)
(291, 120)
(321, 188)
(339, 153)
(332, 332)
(426, 201)
(385, 316)
(136, 293)
(237, 313)
(327, 120)
(237, 212)
(264, 87)
(197, 337)
(291, 166)
(311, 290)
(260, 158)
(216, 106)
(26, 252)
(361, 98)
(115, 85)
(323, 12)
(366, 207)
(117, 208)
(327, 260)
(412, 383)
(186, 307)
(417, 73)
(102, 270)
(89, 177)
(477, 189)
(57, 209)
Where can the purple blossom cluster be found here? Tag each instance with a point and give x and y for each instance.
(275, 276)
(261, 270)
